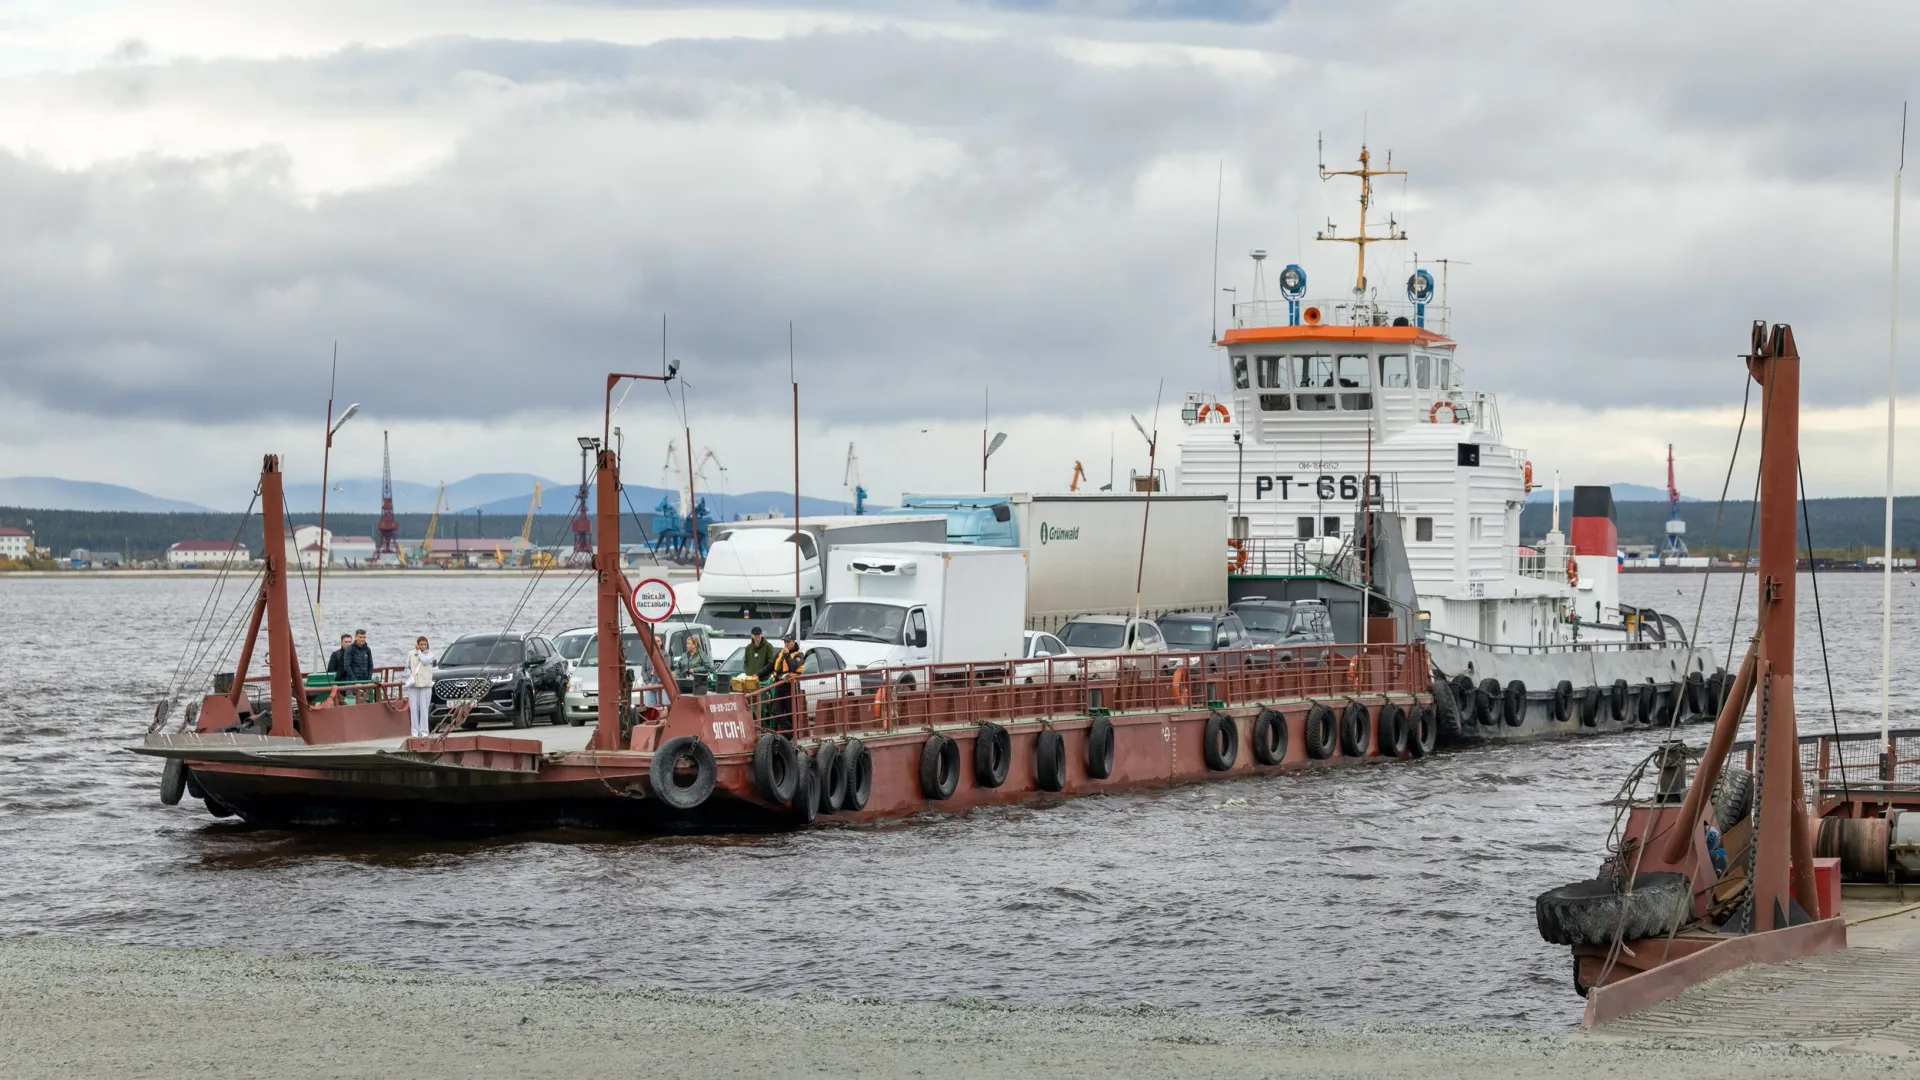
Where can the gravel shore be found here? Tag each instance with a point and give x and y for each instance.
(73, 1009)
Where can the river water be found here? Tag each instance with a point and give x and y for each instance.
(1391, 892)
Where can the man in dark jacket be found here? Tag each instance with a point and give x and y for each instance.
(337, 663)
(360, 658)
(759, 655)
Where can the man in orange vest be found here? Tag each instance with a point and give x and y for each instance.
(785, 672)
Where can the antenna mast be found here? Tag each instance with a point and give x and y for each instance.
(1360, 240)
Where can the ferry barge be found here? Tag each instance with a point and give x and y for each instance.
(934, 738)
(1364, 472)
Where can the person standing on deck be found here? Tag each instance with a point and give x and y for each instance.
(360, 658)
(337, 663)
(759, 655)
(785, 671)
(420, 667)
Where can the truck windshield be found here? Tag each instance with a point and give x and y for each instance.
(629, 648)
(1191, 633)
(1089, 635)
(861, 622)
(1273, 619)
(736, 619)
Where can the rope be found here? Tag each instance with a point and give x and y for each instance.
(1813, 574)
(178, 682)
(1713, 538)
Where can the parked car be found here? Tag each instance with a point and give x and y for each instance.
(582, 649)
(1203, 631)
(512, 677)
(1111, 636)
(1049, 660)
(1294, 624)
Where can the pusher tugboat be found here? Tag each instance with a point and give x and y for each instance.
(945, 737)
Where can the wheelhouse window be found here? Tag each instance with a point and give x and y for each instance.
(1240, 373)
(1423, 529)
(1303, 528)
(1423, 371)
(1271, 371)
(1356, 373)
(1330, 526)
(1276, 402)
(1393, 372)
(1446, 373)
(1314, 372)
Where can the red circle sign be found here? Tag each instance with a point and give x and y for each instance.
(653, 599)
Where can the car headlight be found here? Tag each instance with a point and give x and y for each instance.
(507, 678)
(877, 664)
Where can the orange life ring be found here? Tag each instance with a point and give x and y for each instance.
(1211, 408)
(1237, 557)
(1180, 685)
(880, 702)
(1433, 414)
(1526, 474)
(1573, 572)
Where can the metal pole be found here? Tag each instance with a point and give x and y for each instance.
(606, 562)
(1776, 363)
(1886, 572)
(796, 482)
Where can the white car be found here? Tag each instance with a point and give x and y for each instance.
(1050, 660)
(582, 652)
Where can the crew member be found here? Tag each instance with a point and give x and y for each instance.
(360, 658)
(337, 663)
(758, 656)
(785, 671)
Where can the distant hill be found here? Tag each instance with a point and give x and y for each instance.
(54, 493)
(361, 495)
(1621, 493)
(559, 500)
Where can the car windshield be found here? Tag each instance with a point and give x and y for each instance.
(1093, 635)
(1192, 633)
(472, 652)
(735, 663)
(629, 647)
(735, 619)
(572, 645)
(1306, 619)
(1272, 619)
(861, 622)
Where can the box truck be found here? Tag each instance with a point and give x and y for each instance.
(911, 604)
(749, 576)
(1084, 549)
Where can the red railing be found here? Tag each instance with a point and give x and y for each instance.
(1835, 765)
(922, 696)
(387, 685)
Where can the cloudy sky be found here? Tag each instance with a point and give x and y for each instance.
(488, 203)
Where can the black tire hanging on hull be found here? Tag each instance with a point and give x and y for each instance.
(1220, 742)
(1100, 748)
(1513, 703)
(1269, 737)
(1447, 712)
(1423, 731)
(1050, 760)
(1391, 738)
(1563, 702)
(1590, 701)
(1321, 734)
(1354, 722)
(859, 768)
(663, 772)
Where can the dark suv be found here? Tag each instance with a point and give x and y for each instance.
(1288, 623)
(508, 677)
(1203, 631)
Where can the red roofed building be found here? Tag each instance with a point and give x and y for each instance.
(15, 543)
(206, 553)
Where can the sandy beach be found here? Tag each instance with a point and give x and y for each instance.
(74, 1009)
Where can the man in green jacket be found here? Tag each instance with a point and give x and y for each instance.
(759, 655)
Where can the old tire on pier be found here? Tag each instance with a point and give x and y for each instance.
(1591, 912)
(831, 764)
(776, 768)
(1269, 737)
(1486, 701)
(1100, 748)
(1354, 722)
(859, 769)
(1462, 687)
(1732, 797)
(173, 781)
(1562, 702)
(1321, 735)
(1590, 701)
(939, 767)
(1391, 736)
(1220, 742)
(806, 794)
(664, 772)
(1617, 701)
(1513, 703)
(1447, 710)
(992, 755)
(1049, 760)
(1423, 731)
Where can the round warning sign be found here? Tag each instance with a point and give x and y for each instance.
(653, 599)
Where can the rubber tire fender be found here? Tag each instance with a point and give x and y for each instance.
(1486, 700)
(1270, 737)
(1462, 686)
(1590, 701)
(806, 794)
(193, 783)
(1354, 722)
(173, 781)
(1447, 711)
(1646, 705)
(1220, 742)
(939, 767)
(1696, 695)
(1732, 797)
(662, 772)
(1423, 731)
(1617, 700)
(1562, 701)
(992, 755)
(776, 768)
(832, 766)
(1320, 735)
(1391, 738)
(1100, 748)
(1050, 760)
(1513, 703)
(859, 770)
(1591, 912)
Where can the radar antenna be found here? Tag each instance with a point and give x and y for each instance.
(1360, 240)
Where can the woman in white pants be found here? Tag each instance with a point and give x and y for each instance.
(420, 665)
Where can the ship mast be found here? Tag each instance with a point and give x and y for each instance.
(1360, 240)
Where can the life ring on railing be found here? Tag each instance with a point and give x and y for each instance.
(1180, 694)
(1433, 414)
(1526, 474)
(1211, 408)
(880, 701)
(1573, 572)
(1353, 672)
(1237, 556)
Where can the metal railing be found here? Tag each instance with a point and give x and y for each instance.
(1252, 313)
(1831, 764)
(1561, 647)
(875, 701)
(1273, 556)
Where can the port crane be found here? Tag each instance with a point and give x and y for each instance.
(525, 544)
(1676, 529)
(426, 543)
(1079, 477)
(856, 494)
(388, 530)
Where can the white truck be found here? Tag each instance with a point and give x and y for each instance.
(749, 576)
(904, 605)
(1084, 548)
